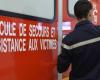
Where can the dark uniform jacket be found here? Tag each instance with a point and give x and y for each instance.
(81, 48)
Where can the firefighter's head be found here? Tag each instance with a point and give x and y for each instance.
(83, 10)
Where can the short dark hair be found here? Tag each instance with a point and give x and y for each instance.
(82, 8)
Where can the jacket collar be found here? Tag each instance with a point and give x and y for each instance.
(83, 23)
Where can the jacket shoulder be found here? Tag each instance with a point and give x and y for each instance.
(69, 39)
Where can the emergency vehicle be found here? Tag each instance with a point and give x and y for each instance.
(30, 37)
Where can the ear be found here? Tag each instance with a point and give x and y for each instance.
(90, 16)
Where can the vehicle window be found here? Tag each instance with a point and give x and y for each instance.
(71, 4)
(38, 8)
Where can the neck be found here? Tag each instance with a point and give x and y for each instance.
(82, 19)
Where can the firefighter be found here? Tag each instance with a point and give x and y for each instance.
(81, 47)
